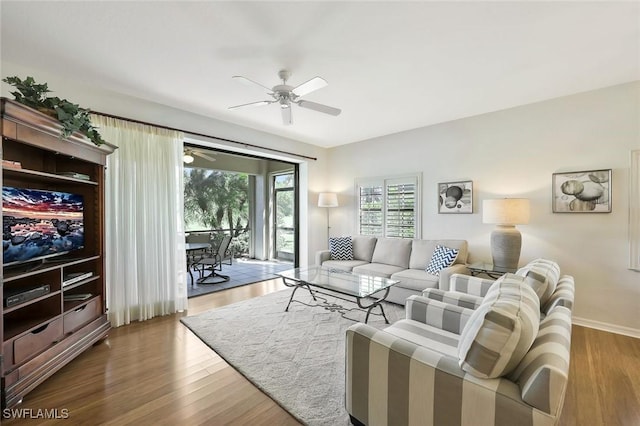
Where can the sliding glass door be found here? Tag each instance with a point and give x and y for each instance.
(284, 202)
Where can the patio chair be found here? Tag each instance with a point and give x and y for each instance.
(213, 263)
(194, 254)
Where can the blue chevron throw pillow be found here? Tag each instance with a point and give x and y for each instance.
(442, 257)
(341, 248)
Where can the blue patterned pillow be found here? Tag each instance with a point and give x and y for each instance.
(341, 248)
(442, 257)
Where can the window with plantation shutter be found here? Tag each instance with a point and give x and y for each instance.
(371, 213)
(389, 206)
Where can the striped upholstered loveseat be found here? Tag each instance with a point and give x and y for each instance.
(485, 353)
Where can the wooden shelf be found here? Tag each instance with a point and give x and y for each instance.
(34, 175)
(75, 304)
(21, 272)
(32, 301)
(89, 280)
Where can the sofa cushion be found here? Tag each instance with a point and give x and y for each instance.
(415, 279)
(502, 329)
(442, 257)
(392, 251)
(422, 250)
(363, 247)
(542, 275)
(341, 248)
(377, 269)
(344, 265)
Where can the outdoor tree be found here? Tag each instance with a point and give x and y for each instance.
(216, 200)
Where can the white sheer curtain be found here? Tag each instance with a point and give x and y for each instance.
(144, 238)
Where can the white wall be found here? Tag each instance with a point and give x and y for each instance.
(506, 153)
(514, 153)
(73, 88)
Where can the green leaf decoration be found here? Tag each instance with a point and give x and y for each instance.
(70, 115)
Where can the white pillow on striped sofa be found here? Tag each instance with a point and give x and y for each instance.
(502, 329)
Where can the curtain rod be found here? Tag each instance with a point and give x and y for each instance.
(245, 144)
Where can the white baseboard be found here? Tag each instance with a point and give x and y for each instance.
(611, 328)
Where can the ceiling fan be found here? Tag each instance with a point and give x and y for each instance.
(189, 154)
(285, 95)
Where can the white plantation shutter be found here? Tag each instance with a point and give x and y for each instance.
(371, 218)
(389, 207)
(401, 210)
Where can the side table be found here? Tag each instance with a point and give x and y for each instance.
(488, 269)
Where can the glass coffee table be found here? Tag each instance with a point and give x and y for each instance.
(317, 279)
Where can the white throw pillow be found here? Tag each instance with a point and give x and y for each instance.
(442, 257)
(502, 329)
(341, 248)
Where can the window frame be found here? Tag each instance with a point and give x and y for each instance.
(634, 211)
(385, 182)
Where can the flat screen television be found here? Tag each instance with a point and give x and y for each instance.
(38, 224)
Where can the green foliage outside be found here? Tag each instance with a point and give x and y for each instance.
(218, 201)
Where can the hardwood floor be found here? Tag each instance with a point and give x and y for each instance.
(158, 372)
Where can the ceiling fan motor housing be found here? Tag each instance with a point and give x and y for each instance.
(284, 95)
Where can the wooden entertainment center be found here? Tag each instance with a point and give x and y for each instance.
(43, 333)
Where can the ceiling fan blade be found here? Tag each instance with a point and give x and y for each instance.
(248, 82)
(203, 155)
(287, 119)
(309, 86)
(252, 104)
(319, 107)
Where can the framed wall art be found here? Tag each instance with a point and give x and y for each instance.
(582, 192)
(455, 197)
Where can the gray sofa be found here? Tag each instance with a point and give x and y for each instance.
(404, 260)
(503, 362)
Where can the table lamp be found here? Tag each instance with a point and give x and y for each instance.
(506, 240)
(328, 199)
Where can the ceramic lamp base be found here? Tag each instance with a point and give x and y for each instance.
(506, 242)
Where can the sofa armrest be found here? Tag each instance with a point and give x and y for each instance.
(322, 256)
(446, 273)
(463, 300)
(470, 285)
(392, 381)
(437, 314)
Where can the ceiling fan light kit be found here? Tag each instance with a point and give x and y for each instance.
(285, 95)
(187, 158)
(189, 154)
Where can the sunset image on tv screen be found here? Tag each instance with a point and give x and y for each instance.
(37, 223)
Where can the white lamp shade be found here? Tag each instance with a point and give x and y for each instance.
(328, 199)
(187, 158)
(506, 211)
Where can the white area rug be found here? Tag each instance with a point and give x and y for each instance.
(295, 357)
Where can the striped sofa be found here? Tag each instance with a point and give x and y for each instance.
(496, 357)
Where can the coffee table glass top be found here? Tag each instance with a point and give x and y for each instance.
(344, 282)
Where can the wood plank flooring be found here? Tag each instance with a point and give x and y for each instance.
(158, 372)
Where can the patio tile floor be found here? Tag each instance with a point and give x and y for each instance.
(241, 272)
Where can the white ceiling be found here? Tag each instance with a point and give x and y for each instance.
(391, 66)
